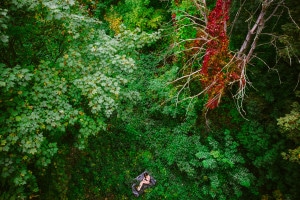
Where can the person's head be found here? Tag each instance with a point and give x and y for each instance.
(145, 174)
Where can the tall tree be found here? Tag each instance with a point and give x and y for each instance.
(61, 78)
(207, 40)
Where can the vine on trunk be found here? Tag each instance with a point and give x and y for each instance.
(217, 70)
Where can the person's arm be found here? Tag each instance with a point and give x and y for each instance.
(148, 179)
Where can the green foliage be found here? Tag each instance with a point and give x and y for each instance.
(107, 166)
(67, 91)
(141, 14)
(146, 15)
(212, 168)
(83, 112)
(185, 18)
(3, 22)
(289, 125)
(289, 35)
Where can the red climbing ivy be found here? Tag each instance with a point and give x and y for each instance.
(220, 67)
(216, 73)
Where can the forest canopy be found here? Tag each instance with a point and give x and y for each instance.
(202, 94)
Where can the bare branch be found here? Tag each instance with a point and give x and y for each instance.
(289, 12)
(297, 82)
(202, 8)
(236, 17)
(257, 27)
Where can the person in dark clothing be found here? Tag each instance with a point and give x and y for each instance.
(146, 180)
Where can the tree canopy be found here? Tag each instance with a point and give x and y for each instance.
(202, 94)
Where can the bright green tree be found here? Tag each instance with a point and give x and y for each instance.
(57, 83)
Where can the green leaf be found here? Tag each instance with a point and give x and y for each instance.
(18, 118)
